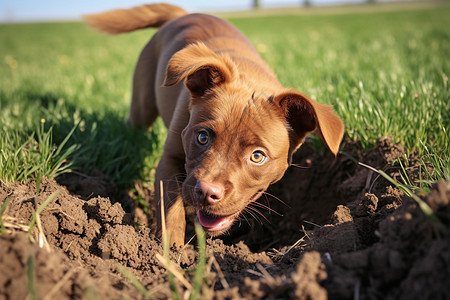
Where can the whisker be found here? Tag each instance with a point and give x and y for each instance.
(267, 200)
(172, 192)
(168, 201)
(173, 131)
(253, 215)
(244, 218)
(266, 207)
(276, 198)
(178, 179)
(260, 213)
(300, 166)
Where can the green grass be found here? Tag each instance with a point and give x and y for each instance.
(34, 158)
(135, 282)
(198, 281)
(61, 77)
(35, 216)
(386, 74)
(426, 209)
(2, 211)
(31, 278)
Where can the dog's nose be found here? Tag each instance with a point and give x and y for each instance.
(208, 193)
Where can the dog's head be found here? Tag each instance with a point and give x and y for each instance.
(238, 141)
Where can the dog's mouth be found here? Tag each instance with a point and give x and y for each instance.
(211, 222)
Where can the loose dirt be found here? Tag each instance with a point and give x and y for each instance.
(331, 229)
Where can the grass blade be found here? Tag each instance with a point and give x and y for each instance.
(201, 265)
(422, 204)
(2, 211)
(38, 211)
(135, 282)
(31, 277)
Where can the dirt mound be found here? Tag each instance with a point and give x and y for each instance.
(341, 232)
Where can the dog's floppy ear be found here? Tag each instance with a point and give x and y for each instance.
(202, 68)
(304, 115)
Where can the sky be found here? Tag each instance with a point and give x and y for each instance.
(54, 10)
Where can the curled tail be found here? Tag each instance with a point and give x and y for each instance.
(126, 20)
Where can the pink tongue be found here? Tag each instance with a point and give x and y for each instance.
(212, 222)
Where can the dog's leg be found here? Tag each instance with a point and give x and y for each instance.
(174, 212)
(143, 110)
(171, 172)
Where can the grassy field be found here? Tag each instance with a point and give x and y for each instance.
(65, 89)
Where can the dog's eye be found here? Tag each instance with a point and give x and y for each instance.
(257, 157)
(203, 137)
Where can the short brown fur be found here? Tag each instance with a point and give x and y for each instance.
(232, 126)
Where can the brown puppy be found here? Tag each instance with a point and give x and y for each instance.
(232, 126)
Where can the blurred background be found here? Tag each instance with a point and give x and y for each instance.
(13, 11)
